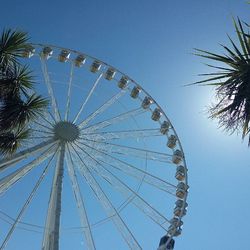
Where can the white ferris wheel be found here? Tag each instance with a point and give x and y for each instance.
(102, 169)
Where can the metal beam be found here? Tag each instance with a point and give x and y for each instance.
(52, 226)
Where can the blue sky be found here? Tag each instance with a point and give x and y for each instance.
(153, 41)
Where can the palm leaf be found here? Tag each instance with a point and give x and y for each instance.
(233, 91)
(213, 56)
(15, 81)
(238, 57)
(242, 38)
(11, 141)
(12, 45)
(15, 113)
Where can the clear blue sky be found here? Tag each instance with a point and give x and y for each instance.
(152, 41)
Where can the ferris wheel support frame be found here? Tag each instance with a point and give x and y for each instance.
(52, 225)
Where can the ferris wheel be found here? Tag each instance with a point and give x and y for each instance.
(103, 167)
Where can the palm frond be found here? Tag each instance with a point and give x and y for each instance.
(242, 37)
(36, 105)
(15, 113)
(15, 81)
(213, 56)
(232, 83)
(12, 44)
(10, 141)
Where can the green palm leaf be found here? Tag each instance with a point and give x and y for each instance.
(15, 81)
(242, 38)
(15, 113)
(11, 141)
(233, 89)
(12, 45)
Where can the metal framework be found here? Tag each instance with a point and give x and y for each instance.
(115, 139)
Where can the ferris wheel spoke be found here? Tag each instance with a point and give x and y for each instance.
(130, 151)
(42, 125)
(46, 120)
(51, 231)
(51, 116)
(102, 108)
(132, 170)
(9, 180)
(112, 121)
(40, 137)
(107, 205)
(26, 204)
(80, 203)
(126, 191)
(69, 92)
(88, 97)
(50, 89)
(5, 163)
(41, 131)
(112, 135)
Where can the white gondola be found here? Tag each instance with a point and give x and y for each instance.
(46, 53)
(175, 231)
(177, 156)
(180, 173)
(179, 205)
(164, 127)
(181, 190)
(147, 101)
(176, 222)
(80, 60)
(178, 212)
(172, 141)
(156, 115)
(95, 66)
(64, 56)
(122, 84)
(28, 51)
(178, 231)
(109, 75)
(135, 92)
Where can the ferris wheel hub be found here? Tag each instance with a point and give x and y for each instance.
(66, 131)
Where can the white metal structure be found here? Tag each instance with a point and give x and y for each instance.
(107, 140)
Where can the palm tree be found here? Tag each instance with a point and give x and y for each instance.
(17, 106)
(232, 81)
